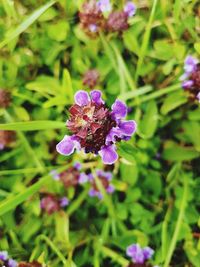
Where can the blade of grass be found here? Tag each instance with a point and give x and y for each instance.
(115, 256)
(145, 41)
(26, 23)
(178, 223)
(32, 125)
(137, 92)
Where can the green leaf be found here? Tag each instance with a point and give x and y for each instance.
(172, 101)
(127, 152)
(25, 24)
(179, 153)
(148, 124)
(32, 125)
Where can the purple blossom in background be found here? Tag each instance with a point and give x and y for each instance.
(12, 263)
(77, 166)
(139, 255)
(64, 202)
(198, 96)
(54, 175)
(3, 255)
(95, 128)
(104, 5)
(130, 8)
(93, 27)
(105, 178)
(191, 77)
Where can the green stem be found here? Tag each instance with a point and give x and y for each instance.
(157, 94)
(145, 41)
(54, 248)
(76, 203)
(115, 256)
(178, 223)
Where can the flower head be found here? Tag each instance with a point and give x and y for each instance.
(6, 261)
(91, 18)
(95, 128)
(6, 138)
(91, 78)
(117, 21)
(191, 77)
(51, 203)
(4, 98)
(130, 8)
(139, 255)
(30, 264)
(71, 176)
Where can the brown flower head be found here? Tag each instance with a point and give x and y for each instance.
(117, 21)
(4, 98)
(29, 264)
(91, 18)
(91, 78)
(6, 138)
(51, 203)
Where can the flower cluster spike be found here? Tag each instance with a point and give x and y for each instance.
(51, 203)
(91, 78)
(6, 138)
(6, 261)
(139, 255)
(5, 98)
(191, 77)
(93, 20)
(95, 128)
(29, 264)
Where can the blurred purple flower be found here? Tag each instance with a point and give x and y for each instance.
(12, 263)
(139, 255)
(4, 258)
(64, 202)
(54, 175)
(191, 77)
(130, 8)
(198, 96)
(104, 5)
(95, 128)
(3, 255)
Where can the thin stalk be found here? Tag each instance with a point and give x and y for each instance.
(145, 41)
(76, 203)
(114, 256)
(54, 248)
(157, 94)
(178, 223)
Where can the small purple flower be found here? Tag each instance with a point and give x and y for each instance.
(105, 178)
(83, 178)
(96, 129)
(190, 64)
(139, 255)
(187, 84)
(77, 166)
(12, 263)
(64, 202)
(104, 5)
(130, 8)
(54, 175)
(3, 255)
(93, 27)
(198, 96)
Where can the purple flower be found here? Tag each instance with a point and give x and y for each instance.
(54, 175)
(198, 96)
(104, 5)
(83, 178)
(105, 178)
(3, 255)
(64, 202)
(77, 166)
(190, 64)
(12, 263)
(96, 129)
(187, 84)
(93, 27)
(139, 255)
(130, 8)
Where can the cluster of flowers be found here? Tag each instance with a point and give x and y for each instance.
(6, 261)
(97, 16)
(95, 128)
(191, 78)
(139, 256)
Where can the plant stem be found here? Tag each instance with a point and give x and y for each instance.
(178, 223)
(76, 203)
(115, 256)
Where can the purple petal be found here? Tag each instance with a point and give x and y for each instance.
(99, 173)
(184, 77)
(198, 96)
(82, 98)
(136, 253)
(12, 263)
(190, 64)
(187, 84)
(77, 166)
(111, 137)
(3, 255)
(93, 27)
(110, 189)
(104, 5)
(83, 178)
(90, 177)
(148, 253)
(54, 175)
(64, 202)
(130, 8)
(128, 127)
(99, 195)
(119, 109)
(132, 249)
(96, 97)
(92, 193)
(108, 154)
(67, 145)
